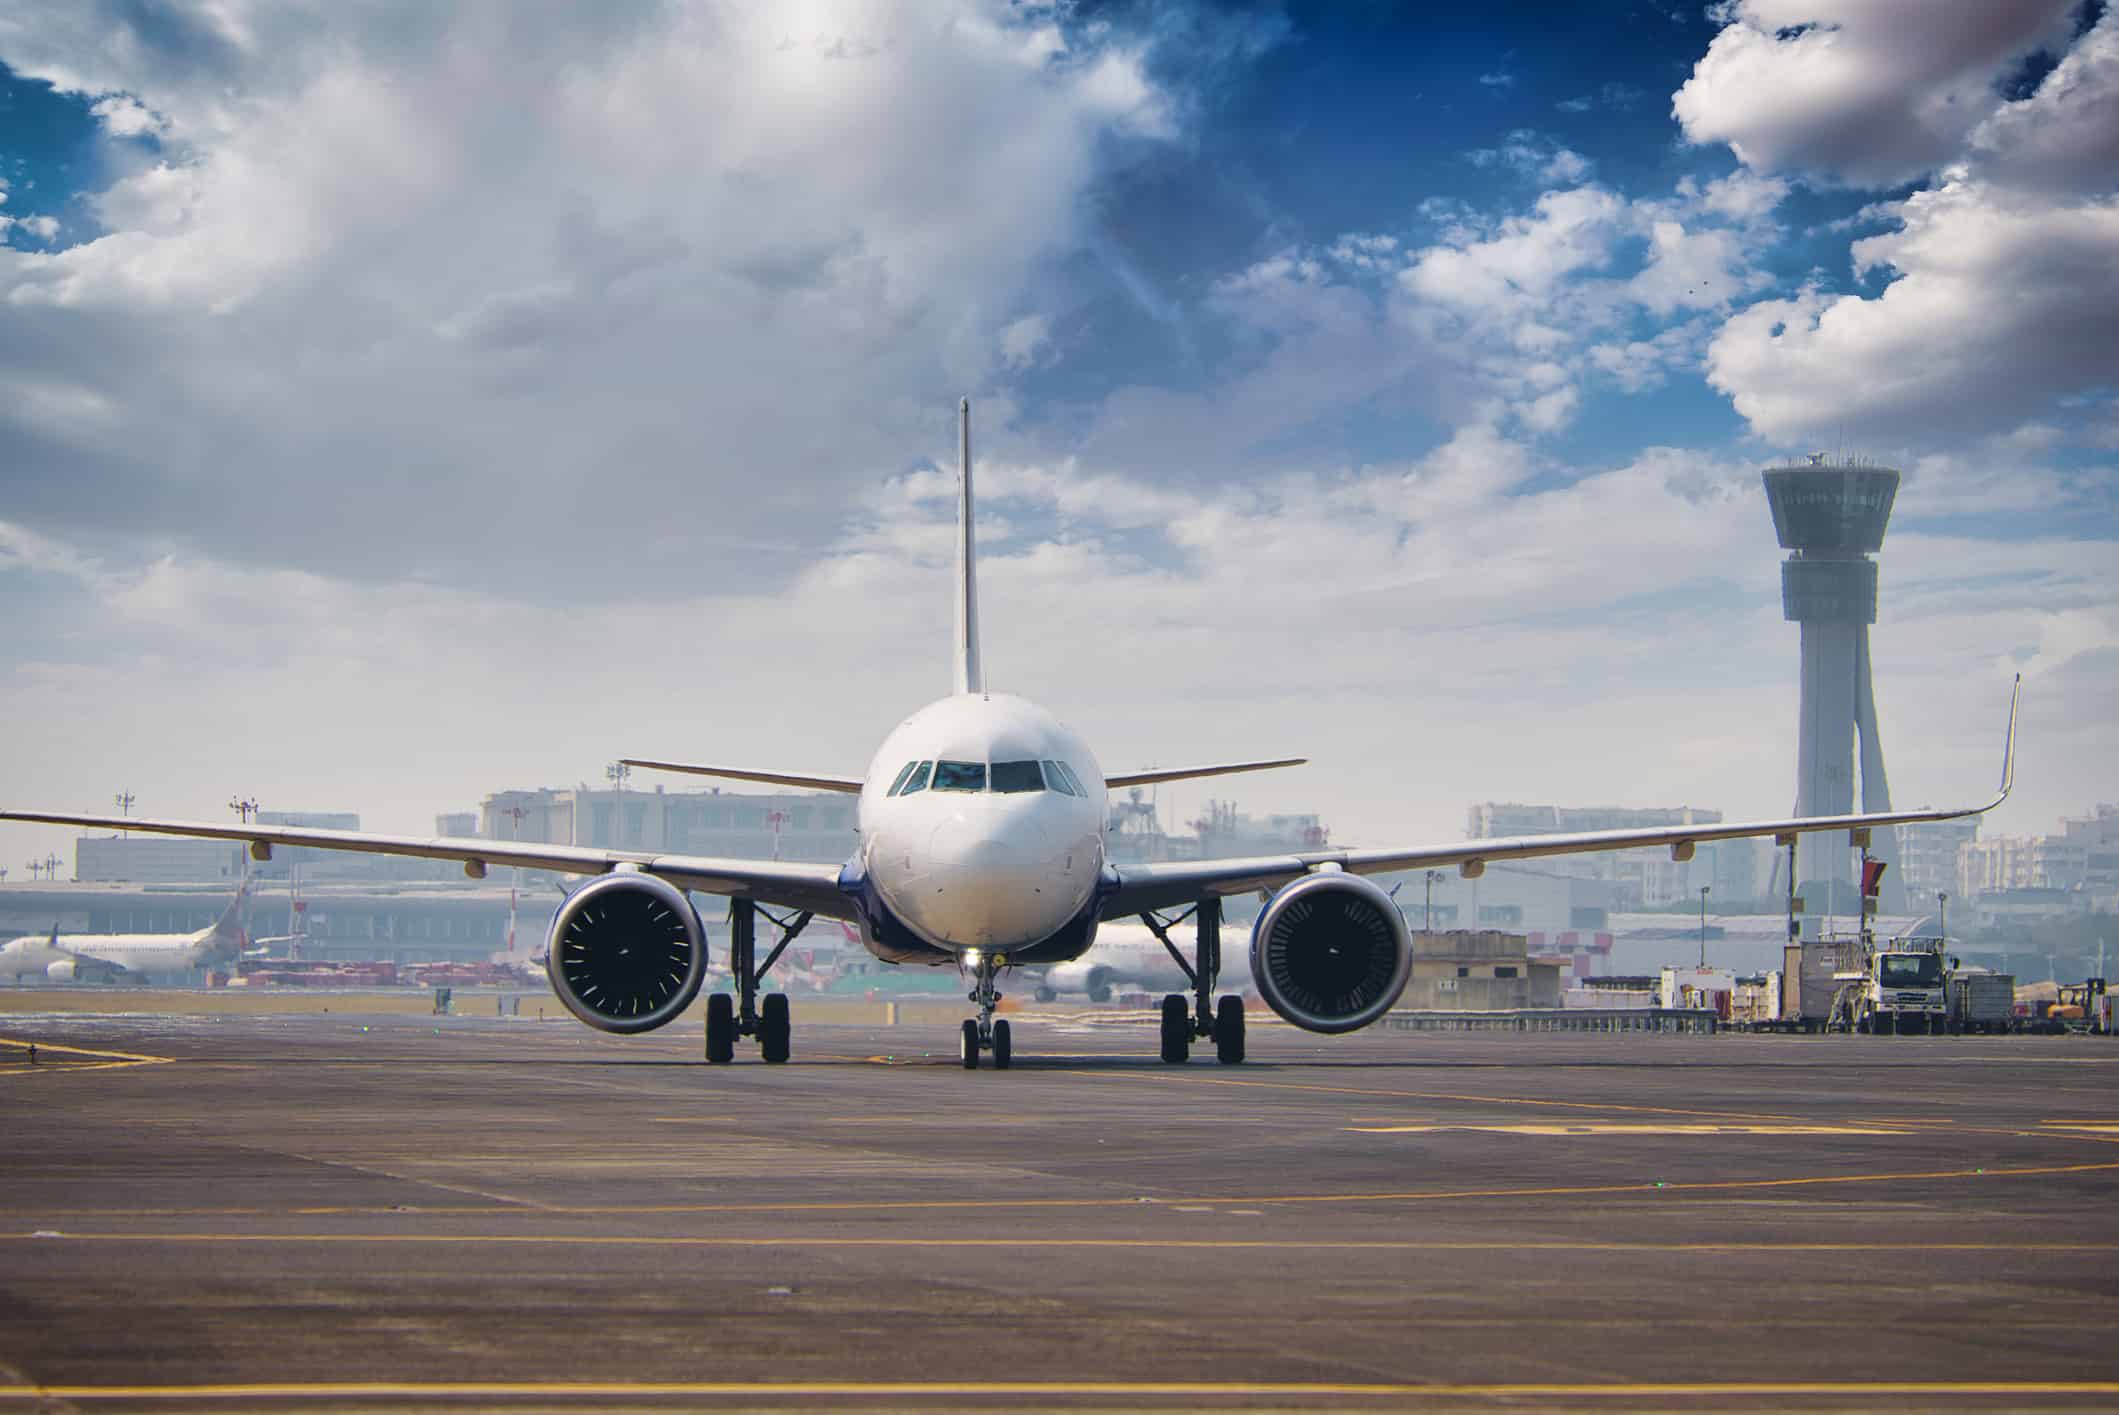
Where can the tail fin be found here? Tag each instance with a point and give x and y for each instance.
(969, 677)
(228, 925)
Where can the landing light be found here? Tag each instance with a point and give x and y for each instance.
(972, 956)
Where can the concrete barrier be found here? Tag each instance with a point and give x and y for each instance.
(1572, 1019)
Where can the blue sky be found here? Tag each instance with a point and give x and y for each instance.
(1337, 363)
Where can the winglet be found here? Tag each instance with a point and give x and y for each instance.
(969, 677)
(2008, 746)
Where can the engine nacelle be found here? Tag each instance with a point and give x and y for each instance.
(1091, 979)
(627, 953)
(1331, 953)
(62, 971)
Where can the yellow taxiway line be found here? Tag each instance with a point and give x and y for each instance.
(104, 1060)
(1179, 1390)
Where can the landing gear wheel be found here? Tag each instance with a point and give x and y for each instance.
(1177, 1029)
(968, 1045)
(1003, 1045)
(1228, 1030)
(720, 1029)
(775, 1029)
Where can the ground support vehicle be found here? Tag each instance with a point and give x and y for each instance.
(1896, 988)
(1981, 1000)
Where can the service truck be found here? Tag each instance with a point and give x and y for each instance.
(1895, 987)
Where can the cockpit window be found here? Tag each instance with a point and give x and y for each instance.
(1057, 779)
(1017, 776)
(960, 776)
(899, 785)
(916, 778)
(1072, 779)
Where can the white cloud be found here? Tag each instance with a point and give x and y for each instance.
(446, 279)
(124, 116)
(1535, 156)
(1024, 341)
(1498, 79)
(2065, 136)
(2003, 293)
(1870, 92)
(1998, 308)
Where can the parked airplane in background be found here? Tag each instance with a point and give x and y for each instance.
(981, 825)
(1131, 957)
(107, 957)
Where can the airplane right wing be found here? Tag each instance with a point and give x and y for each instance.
(781, 883)
(1176, 883)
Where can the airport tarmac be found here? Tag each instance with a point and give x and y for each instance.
(357, 1211)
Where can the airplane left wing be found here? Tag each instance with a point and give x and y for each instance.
(1193, 773)
(780, 883)
(1180, 882)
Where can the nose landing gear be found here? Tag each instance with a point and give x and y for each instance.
(728, 1018)
(983, 1033)
(1200, 1017)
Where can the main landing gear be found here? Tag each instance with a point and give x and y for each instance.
(1200, 1017)
(746, 1014)
(983, 1033)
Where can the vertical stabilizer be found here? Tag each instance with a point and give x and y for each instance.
(969, 677)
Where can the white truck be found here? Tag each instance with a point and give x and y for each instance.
(1897, 987)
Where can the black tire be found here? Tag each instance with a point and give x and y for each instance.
(1228, 1030)
(968, 1045)
(1003, 1046)
(1102, 994)
(1176, 1029)
(1887, 1024)
(720, 1029)
(775, 1028)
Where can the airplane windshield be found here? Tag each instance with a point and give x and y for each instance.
(960, 776)
(904, 772)
(1017, 776)
(1072, 780)
(1057, 779)
(916, 778)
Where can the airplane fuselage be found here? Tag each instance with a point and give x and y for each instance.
(127, 953)
(982, 828)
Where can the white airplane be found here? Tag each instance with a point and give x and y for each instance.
(106, 957)
(1132, 957)
(981, 826)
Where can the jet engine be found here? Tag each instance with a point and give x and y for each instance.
(1093, 979)
(61, 971)
(1331, 953)
(627, 953)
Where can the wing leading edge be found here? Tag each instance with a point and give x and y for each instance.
(780, 883)
(803, 780)
(1170, 885)
(1189, 773)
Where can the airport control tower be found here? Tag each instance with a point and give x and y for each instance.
(1831, 517)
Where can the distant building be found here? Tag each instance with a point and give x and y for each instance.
(1928, 854)
(1644, 879)
(456, 825)
(814, 826)
(2097, 835)
(149, 859)
(1485, 970)
(2011, 862)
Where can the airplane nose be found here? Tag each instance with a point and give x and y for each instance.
(987, 887)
